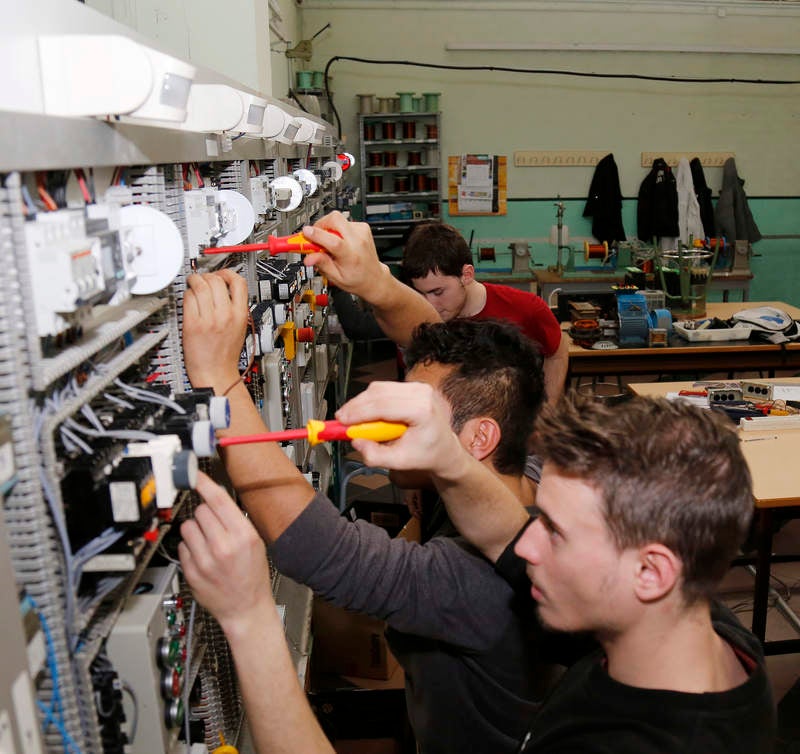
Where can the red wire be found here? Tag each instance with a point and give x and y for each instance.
(200, 182)
(82, 184)
(44, 195)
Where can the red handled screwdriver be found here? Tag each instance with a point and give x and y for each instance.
(322, 431)
(297, 243)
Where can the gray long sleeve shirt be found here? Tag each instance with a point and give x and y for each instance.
(466, 642)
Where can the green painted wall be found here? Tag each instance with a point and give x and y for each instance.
(776, 262)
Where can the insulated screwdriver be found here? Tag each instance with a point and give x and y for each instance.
(296, 243)
(317, 431)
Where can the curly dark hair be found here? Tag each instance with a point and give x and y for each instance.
(434, 247)
(498, 373)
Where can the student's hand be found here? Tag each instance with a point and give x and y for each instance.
(215, 316)
(224, 559)
(429, 444)
(351, 262)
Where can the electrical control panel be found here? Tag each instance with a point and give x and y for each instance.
(100, 432)
(147, 649)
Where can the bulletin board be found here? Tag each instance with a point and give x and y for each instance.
(477, 184)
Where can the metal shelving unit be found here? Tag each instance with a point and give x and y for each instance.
(401, 173)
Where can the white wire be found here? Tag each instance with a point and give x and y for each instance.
(145, 395)
(117, 434)
(74, 441)
(87, 411)
(118, 401)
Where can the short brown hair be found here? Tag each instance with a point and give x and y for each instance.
(668, 472)
(434, 247)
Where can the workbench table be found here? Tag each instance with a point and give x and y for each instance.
(682, 356)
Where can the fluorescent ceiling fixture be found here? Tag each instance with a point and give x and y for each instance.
(290, 131)
(275, 122)
(253, 112)
(111, 75)
(305, 131)
(213, 107)
(93, 74)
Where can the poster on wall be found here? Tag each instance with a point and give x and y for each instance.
(477, 184)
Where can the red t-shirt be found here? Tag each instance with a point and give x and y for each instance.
(526, 310)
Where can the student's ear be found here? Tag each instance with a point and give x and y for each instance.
(480, 436)
(658, 572)
(467, 274)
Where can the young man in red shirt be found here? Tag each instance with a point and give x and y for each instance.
(438, 263)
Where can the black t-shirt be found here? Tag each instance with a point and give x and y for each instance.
(591, 713)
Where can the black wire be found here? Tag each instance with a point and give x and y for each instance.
(328, 94)
(299, 103)
(543, 72)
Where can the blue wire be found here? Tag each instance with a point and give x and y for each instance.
(53, 715)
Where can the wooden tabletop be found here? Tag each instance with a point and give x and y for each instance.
(771, 454)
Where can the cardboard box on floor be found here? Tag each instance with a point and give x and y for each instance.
(352, 644)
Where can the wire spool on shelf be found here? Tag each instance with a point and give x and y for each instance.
(375, 159)
(486, 254)
(390, 159)
(415, 157)
(389, 130)
(410, 129)
(432, 131)
(401, 183)
(375, 184)
(433, 183)
(366, 103)
(595, 250)
(369, 132)
(420, 182)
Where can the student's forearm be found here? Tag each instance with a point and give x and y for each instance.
(555, 369)
(269, 485)
(398, 308)
(278, 714)
(481, 507)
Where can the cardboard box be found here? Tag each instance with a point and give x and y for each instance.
(350, 643)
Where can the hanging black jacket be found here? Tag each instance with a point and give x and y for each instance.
(604, 204)
(703, 194)
(734, 219)
(657, 212)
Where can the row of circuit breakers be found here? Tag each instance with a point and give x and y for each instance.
(116, 249)
(124, 456)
